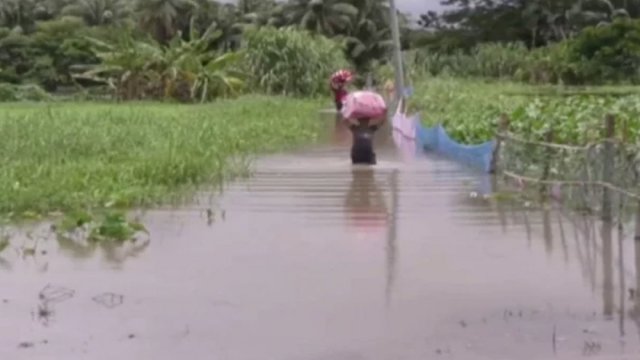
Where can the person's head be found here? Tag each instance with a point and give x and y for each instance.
(364, 121)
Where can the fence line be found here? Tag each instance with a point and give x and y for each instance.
(607, 164)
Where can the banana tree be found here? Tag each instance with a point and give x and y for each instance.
(190, 65)
(126, 66)
(183, 69)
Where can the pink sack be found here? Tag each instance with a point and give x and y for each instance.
(364, 104)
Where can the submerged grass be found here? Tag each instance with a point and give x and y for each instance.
(61, 157)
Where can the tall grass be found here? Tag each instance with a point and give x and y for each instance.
(510, 61)
(83, 155)
(291, 61)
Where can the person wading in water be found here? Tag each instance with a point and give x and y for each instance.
(362, 147)
(338, 84)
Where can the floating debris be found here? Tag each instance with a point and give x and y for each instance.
(55, 294)
(109, 300)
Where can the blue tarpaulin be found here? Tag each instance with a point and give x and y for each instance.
(409, 132)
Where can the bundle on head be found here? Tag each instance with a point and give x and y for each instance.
(340, 78)
(365, 105)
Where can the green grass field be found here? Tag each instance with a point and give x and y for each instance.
(71, 156)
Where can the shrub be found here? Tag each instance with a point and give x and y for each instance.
(291, 62)
(8, 93)
(608, 53)
(29, 92)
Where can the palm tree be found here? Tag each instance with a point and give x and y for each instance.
(164, 18)
(276, 16)
(369, 37)
(562, 19)
(260, 12)
(599, 12)
(20, 15)
(99, 12)
(327, 17)
(255, 6)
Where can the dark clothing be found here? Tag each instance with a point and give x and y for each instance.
(340, 94)
(362, 148)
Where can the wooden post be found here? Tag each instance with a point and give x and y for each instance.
(546, 230)
(546, 169)
(392, 234)
(608, 158)
(503, 126)
(636, 243)
(607, 267)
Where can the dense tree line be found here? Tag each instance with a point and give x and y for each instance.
(533, 22)
(557, 41)
(44, 40)
(188, 49)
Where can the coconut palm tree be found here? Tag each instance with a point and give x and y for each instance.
(20, 15)
(327, 17)
(369, 36)
(164, 18)
(99, 12)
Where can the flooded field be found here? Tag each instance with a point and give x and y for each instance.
(313, 259)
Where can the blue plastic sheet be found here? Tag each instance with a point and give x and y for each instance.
(436, 139)
(410, 133)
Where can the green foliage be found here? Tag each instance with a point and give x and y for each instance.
(291, 62)
(46, 56)
(609, 53)
(103, 227)
(84, 156)
(470, 110)
(46, 42)
(182, 70)
(30, 92)
(533, 22)
(485, 60)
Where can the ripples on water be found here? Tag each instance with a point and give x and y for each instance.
(312, 258)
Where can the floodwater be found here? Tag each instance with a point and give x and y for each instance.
(313, 259)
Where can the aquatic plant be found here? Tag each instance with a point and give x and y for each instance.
(110, 225)
(469, 109)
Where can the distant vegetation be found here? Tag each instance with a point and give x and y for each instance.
(199, 50)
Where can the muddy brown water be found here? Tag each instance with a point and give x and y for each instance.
(313, 259)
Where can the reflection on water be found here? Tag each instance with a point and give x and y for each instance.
(368, 212)
(365, 203)
(305, 264)
(112, 251)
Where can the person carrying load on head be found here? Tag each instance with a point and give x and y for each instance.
(364, 111)
(338, 84)
(362, 145)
